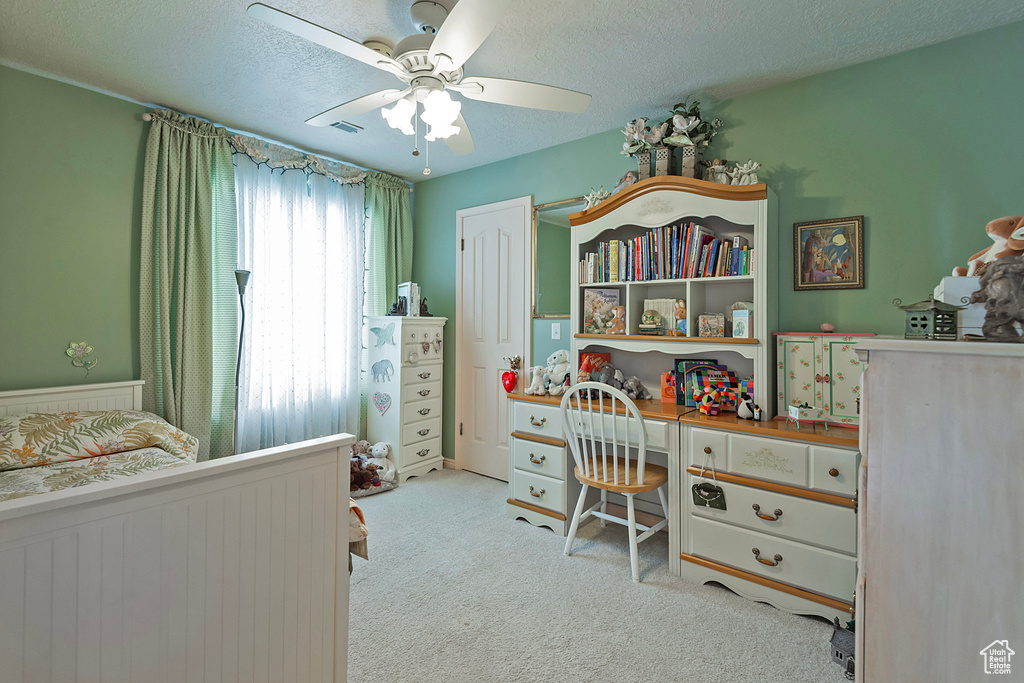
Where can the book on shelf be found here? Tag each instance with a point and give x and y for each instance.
(599, 310)
(685, 369)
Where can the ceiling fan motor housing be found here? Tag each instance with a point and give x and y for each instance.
(427, 16)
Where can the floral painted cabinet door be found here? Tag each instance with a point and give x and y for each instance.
(841, 380)
(824, 372)
(799, 364)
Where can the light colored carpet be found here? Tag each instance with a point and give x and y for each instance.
(456, 591)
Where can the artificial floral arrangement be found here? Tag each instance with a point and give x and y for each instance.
(686, 125)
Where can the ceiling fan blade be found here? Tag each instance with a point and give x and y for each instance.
(358, 106)
(322, 36)
(466, 27)
(463, 142)
(523, 94)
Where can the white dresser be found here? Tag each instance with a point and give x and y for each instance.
(405, 390)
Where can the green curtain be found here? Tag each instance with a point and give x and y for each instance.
(187, 307)
(388, 240)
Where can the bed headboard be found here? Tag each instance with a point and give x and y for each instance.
(106, 396)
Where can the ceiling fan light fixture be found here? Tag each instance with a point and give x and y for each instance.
(400, 115)
(440, 112)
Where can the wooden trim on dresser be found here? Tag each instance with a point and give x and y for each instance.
(704, 188)
(838, 605)
(539, 439)
(845, 501)
(649, 337)
(534, 508)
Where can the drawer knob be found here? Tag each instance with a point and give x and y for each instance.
(833, 472)
(757, 556)
(423, 432)
(535, 494)
(424, 375)
(707, 449)
(423, 411)
(423, 392)
(423, 452)
(534, 460)
(534, 422)
(817, 378)
(757, 510)
(827, 379)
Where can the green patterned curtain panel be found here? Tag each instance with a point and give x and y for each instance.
(388, 240)
(187, 308)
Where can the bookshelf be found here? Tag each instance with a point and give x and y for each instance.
(658, 212)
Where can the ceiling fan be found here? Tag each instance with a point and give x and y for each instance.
(430, 65)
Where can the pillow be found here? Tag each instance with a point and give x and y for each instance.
(35, 439)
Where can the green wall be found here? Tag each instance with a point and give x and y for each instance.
(926, 145)
(69, 231)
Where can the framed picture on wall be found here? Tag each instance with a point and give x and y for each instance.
(829, 254)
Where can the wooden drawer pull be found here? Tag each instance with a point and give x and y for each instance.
(757, 556)
(707, 449)
(778, 513)
(423, 432)
(423, 392)
(423, 452)
(423, 411)
(833, 472)
(424, 375)
(535, 494)
(534, 460)
(534, 422)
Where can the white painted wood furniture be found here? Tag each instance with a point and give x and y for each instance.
(823, 371)
(233, 569)
(942, 563)
(602, 447)
(406, 368)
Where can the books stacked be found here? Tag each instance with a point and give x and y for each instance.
(672, 252)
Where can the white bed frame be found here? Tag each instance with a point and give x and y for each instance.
(229, 570)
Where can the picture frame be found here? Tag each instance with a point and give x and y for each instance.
(829, 254)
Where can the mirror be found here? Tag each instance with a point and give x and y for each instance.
(552, 267)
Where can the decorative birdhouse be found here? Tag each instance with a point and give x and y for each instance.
(842, 644)
(930, 319)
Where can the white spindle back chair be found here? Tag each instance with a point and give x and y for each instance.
(601, 446)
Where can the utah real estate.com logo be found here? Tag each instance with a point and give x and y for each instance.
(997, 657)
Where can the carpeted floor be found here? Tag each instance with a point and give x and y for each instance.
(456, 591)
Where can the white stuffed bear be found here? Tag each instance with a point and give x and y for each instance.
(536, 387)
(558, 368)
(378, 455)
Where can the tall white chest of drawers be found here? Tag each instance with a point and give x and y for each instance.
(405, 390)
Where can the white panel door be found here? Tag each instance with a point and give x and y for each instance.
(492, 321)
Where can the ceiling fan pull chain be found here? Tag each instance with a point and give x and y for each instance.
(426, 148)
(416, 138)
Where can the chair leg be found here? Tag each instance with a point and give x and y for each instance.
(604, 506)
(576, 519)
(664, 500)
(633, 561)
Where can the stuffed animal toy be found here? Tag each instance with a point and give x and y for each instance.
(618, 323)
(361, 448)
(708, 404)
(1002, 292)
(611, 376)
(745, 409)
(635, 389)
(537, 387)
(380, 455)
(680, 316)
(557, 369)
(1008, 235)
(361, 477)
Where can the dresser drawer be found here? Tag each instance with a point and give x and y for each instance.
(425, 372)
(810, 521)
(770, 459)
(815, 569)
(547, 492)
(421, 344)
(538, 458)
(418, 392)
(537, 418)
(834, 470)
(657, 430)
(418, 452)
(417, 411)
(421, 431)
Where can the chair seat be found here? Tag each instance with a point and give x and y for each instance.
(654, 477)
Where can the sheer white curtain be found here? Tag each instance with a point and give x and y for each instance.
(302, 238)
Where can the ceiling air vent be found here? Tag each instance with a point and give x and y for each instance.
(347, 127)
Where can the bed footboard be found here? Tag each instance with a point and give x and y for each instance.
(230, 570)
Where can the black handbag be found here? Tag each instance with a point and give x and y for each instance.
(706, 494)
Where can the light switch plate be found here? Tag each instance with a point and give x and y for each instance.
(556, 330)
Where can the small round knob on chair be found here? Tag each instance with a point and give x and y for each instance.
(707, 449)
(833, 472)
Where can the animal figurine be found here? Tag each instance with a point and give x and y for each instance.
(537, 387)
(635, 389)
(680, 316)
(757, 413)
(1002, 292)
(745, 409)
(618, 322)
(557, 369)
(611, 376)
(380, 454)
(1008, 235)
(382, 370)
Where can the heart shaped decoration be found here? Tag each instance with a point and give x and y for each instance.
(508, 379)
(382, 401)
(426, 347)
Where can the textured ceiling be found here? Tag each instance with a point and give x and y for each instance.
(208, 58)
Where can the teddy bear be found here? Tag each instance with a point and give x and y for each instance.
(635, 389)
(380, 456)
(1008, 235)
(618, 322)
(361, 448)
(557, 369)
(361, 477)
(537, 387)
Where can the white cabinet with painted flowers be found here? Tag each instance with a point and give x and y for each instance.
(821, 371)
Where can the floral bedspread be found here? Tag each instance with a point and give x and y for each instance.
(29, 481)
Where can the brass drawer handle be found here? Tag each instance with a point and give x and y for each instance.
(423, 392)
(534, 422)
(423, 432)
(537, 462)
(757, 556)
(424, 375)
(833, 472)
(535, 494)
(423, 411)
(778, 513)
(423, 452)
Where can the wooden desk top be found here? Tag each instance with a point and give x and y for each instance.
(655, 409)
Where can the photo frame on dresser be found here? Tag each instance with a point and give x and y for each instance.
(829, 254)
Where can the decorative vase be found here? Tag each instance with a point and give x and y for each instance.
(685, 161)
(662, 155)
(643, 160)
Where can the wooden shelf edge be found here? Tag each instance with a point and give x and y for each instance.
(534, 508)
(539, 439)
(652, 337)
(839, 605)
(777, 488)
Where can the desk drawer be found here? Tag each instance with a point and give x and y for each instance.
(821, 571)
(421, 431)
(810, 521)
(418, 452)
(417, 411)
(547, 492)
(843, 463)
(539, 458)
(539, 419)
